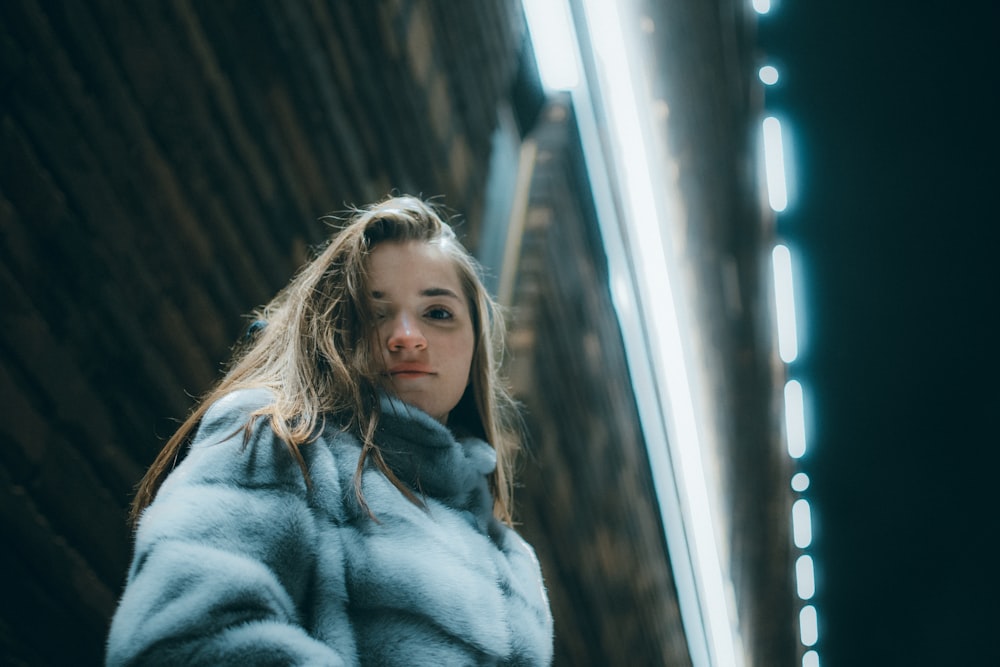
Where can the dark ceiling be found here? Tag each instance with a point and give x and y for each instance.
(894, 112)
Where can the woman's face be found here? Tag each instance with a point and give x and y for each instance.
(425, 328)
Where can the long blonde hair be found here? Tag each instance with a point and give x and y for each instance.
(318, 354)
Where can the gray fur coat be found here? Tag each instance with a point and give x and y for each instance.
(237, 562)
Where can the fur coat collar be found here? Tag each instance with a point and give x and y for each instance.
(425, 455)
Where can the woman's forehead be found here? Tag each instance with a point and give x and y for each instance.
(413, 265)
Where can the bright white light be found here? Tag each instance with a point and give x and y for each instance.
(768, 75)
(647, 212)
(808, 626)
(795, 422)
(554, 40)
(784, 303)
(800, 482)
(774, 165)
(810, 659)
(801, 523)
(622, 293)
(805, 577)
(762, 6)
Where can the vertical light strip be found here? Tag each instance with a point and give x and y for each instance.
(795, 419)
(808, 626)
(762, 6)
(784, 303)
(645, 380)
(805, 577)
(662, 301)
(554, 42)
(801, 523)
(774, 165)
(654, 338)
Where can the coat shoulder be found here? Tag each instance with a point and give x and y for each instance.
(231, 412)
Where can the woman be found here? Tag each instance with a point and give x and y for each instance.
(342, 497)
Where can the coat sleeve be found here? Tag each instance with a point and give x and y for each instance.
(225, 557)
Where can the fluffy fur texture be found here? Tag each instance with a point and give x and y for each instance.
(238, 562)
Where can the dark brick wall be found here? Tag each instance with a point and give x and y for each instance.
(163, 168)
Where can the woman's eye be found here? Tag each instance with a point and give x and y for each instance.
(439, 314)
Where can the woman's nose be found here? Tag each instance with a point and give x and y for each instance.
(405, 334)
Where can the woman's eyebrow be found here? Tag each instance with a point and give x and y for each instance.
(439, 291)
(430, 292)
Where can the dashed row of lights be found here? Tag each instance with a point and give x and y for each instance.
(788, 350)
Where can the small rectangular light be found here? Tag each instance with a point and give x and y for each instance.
(808, 626)
(795, 422)
(801, 523)
(784, 303)
(774, 165)
(805, 577)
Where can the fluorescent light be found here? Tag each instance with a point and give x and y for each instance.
(801, 523)
(805, 577)
(768, 75)
(554, 41)
(808, 626)
(774, 165)
(762, 6)
(784, 303)
(648, 212)
(795, 422)
(810, 659)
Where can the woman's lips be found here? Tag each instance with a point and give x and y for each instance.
(409, 371)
